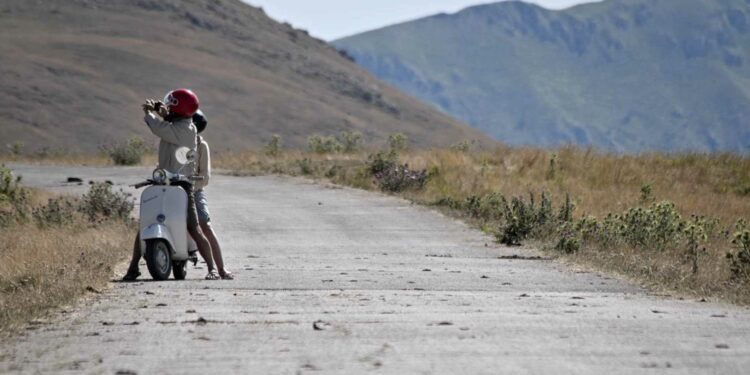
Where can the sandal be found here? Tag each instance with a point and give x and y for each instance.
(131, 275)
(213, 275)
(226, 275)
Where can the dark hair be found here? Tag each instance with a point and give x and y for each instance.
(200, 121)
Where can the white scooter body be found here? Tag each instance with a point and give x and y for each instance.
(165, 241)
(164, 216)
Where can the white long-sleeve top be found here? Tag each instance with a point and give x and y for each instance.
(203, 165)
(173, 135)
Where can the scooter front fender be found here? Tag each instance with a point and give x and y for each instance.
(156, 231)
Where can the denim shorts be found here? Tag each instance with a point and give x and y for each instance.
(201, 204)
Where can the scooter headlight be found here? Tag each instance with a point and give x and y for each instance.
(159, 176)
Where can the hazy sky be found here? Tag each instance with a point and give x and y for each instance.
(331, 19)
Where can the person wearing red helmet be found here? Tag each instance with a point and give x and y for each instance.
(171, 121)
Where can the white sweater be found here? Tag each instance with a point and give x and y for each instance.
(203, 165)
(173, 135)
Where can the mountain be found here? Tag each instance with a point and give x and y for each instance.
(622, 75)
(73, 75)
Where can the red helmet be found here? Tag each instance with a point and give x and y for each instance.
(182, 102)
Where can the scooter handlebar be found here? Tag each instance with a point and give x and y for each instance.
(143, 184)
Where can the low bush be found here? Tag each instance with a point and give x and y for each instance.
(14, 198)
(382, 161)
(398, 178)
(740, 259)
(398, 142)
(102, 203)
(57, 212)
(127, 153)
(463, 146)
(324, 144)
(351, 141)
(273, 147)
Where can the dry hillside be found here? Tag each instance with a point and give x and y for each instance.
(73, 73)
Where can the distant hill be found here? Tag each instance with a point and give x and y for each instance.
(73, 74)
(624, 75)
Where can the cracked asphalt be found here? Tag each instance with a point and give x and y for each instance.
(337, 280)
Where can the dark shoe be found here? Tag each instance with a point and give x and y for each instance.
(131, 275)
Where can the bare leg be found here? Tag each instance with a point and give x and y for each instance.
(133, 271)
(204, 247)
(215, 248)
(193, 226)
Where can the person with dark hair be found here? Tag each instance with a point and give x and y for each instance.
(203, 169)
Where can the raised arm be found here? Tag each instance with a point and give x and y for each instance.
(178, 134)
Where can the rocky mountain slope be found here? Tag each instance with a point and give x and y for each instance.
(624, 75)
(73, 74)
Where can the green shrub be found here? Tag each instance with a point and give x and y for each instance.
(273, 147)
(127, 153)
(521, 219)
(382, 161)
(463, 146)
(399, 178)
(101, 203)
(654, 227)
(694, 235)
(56, 213)
(324, 145)
(566, 210)
(351, 141)
(15, 149)
(305, 166)
(647, 194)
(347, 142)
(15, 200)
(398, 142)
(552, 169)
(739, 262)
(568, 239)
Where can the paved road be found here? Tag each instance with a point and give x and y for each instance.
(394, 288)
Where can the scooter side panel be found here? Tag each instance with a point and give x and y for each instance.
(171, 202)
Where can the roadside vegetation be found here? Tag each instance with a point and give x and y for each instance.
(674, 222)
(677, 223)
(55, 248)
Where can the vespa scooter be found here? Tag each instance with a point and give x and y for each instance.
(165, 241)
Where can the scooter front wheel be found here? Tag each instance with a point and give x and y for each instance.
(158, 259)
(179, 268)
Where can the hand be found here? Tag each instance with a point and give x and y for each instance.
(148, 106)
(161, 109)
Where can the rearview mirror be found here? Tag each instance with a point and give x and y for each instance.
(184, 155)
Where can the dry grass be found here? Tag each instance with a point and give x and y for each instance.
(46, 268)
(714, 186)
(54, 248)
(72, 159)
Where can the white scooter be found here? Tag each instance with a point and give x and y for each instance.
(165, 241)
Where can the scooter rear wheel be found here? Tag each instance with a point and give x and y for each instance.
(158, 259)
(179, 269)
